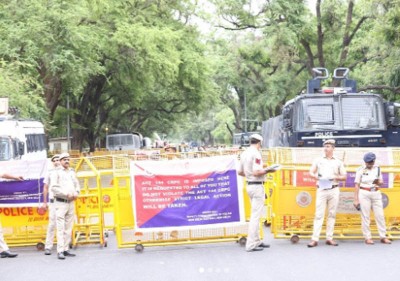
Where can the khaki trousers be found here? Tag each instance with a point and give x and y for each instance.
(367, 200)
(3, 244)
(51, 228)
(65, 221)
(325, 198)
(257, 198)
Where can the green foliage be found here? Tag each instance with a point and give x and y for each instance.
(139, 65)
(22, 92)
(136, 58)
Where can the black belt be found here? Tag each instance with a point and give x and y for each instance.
(62, 200)
(333, 186)
(255, 182)
(51, 200)
(370, 188)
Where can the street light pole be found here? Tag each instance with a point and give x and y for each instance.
(68, 126)
(245, 113)
(106, 136)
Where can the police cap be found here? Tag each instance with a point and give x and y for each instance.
(330, 141)
(55, 156)
(64, 155)
(369, 157)
(256, 137)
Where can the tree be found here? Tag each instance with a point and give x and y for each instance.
(138, 58)
(287, 40)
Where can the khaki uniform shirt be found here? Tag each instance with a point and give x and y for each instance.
(250, 161)
(47, 181)
(365, 177)
(63, 182)
(328, 168)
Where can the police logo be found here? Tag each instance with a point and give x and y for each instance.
(303, 199)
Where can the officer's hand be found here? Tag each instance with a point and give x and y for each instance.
(376, 182)
(19, 178)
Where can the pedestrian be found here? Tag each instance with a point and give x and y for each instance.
(366, 195)
(65, 187)
(6, 253)
(51, 228)
(328, 170)
(251, 167)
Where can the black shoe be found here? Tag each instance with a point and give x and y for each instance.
(8, 254)
(312, 244)
(331, 243)
(256, 249)
(68, 254)
(263, 245)
(61, 256)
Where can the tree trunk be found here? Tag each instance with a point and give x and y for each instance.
(76, 140)
(52, 86)
(320, 40)
(88, 106)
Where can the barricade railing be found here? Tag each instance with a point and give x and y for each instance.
(128, 236)
(294, 197)
(24, 226)
(89, 225)
(105, 203)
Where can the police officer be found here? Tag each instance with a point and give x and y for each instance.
(251, 167)
(367, 194)
(65, 187)
(55, 160)
(3, 245)
(329, 169)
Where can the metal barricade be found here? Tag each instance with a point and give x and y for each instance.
(293, 204)
(24, 226)
(89, 225)
(128, 236)
(105, 203)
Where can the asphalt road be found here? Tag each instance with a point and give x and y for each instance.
(351, 260)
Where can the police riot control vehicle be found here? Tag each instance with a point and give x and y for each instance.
(128, 141)
(353, 119)
(20, 139)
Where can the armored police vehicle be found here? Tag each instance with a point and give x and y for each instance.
(129, 141)
(353, 119)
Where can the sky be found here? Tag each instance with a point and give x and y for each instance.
(206, 6)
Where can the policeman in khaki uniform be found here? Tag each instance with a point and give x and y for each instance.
(366, 195)
(65, 187)
(331, 170)
(251, 167)
(51, 228)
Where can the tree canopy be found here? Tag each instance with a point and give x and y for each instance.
(145, 65)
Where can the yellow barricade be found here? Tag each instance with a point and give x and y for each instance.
(293, 204)
(89, 224)
(105, 203)
(24, 226)
(128, 236)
